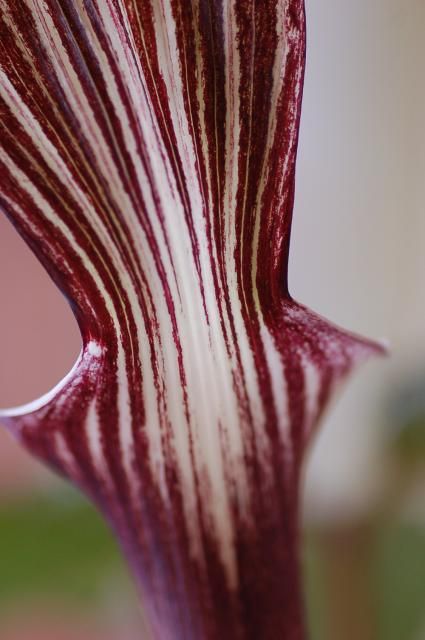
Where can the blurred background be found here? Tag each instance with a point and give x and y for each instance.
(358, 257)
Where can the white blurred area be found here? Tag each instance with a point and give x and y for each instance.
(358, 244)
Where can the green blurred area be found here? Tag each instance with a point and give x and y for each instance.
(400, 582)
(57, 549)
(394, 579)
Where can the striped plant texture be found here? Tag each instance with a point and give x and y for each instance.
(148, 157)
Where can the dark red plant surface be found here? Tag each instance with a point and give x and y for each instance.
(148, 158)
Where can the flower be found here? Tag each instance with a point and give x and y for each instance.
(148, 158)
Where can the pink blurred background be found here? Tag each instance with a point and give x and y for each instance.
(39, 342)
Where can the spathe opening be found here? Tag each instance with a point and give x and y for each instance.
(39, 336)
